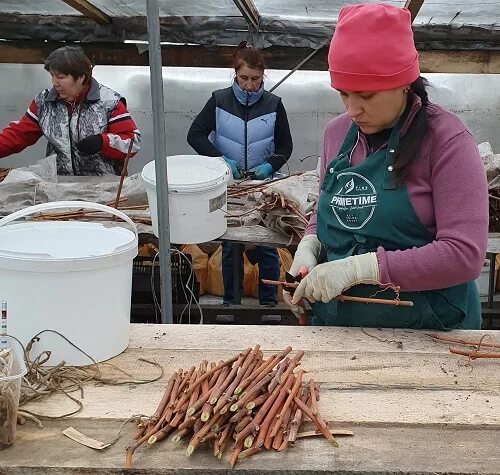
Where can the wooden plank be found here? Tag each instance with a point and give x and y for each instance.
(414, 6)
(90, 11)
(357, 386)
(325, 339)
(249, 12)
(372, 451)
(464, 62)
(357, 406)
(276, 57)
(493, 243)
(414, 407)
(256, 235)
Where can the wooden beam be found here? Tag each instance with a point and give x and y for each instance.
(276, 57)
(90, 11)
(414, 6)
(249, 12)
(461, 62)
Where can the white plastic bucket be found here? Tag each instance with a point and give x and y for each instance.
(197, 197)
(69, 276)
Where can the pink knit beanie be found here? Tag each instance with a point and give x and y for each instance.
(372, 49)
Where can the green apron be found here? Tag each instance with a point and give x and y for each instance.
(361, 208)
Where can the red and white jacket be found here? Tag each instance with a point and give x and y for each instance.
(102, 111)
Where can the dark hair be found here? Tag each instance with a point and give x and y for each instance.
(246, 53)
(70, 60)
(412, 140)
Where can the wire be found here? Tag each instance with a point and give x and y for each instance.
(41, 381)
(189, 283)
(301, 160)
(153, 289)
(193, 297)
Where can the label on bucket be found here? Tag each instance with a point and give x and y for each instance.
(216, 203)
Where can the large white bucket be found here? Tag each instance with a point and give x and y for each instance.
(69, 276)
(197, 197)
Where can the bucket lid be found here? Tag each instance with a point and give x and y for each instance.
(190, 172)
(68, 240)
(52, 246)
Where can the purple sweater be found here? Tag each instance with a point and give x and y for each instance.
(448, 190)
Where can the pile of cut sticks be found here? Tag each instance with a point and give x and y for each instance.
(84, 214)
(238, 407)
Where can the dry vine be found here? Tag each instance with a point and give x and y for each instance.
(475, 349)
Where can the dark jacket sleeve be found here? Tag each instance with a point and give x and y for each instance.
(282, 140)
(201, 128)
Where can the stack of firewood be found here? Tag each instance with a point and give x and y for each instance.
(237, 407)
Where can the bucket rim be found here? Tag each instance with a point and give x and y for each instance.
(130, 245)
(148, 171)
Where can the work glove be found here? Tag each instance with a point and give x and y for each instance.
(262, 172)
(234, 168)
(309, 252)
(90, 145)
(328, 280)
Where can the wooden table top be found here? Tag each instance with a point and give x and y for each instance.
(413, 406)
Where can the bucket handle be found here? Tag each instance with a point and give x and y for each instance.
(68, 204)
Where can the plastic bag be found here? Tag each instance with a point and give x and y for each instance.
(215, 285)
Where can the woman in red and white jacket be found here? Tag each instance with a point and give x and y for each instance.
(87, 125)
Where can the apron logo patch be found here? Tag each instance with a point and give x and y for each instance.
(355, 201)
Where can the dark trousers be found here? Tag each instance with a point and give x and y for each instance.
(269, 268)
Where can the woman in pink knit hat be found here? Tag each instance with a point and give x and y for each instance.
(403, 203)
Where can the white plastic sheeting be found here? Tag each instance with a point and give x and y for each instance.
(309, 100)
(116, 8)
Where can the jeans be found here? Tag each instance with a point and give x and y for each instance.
(269, 268)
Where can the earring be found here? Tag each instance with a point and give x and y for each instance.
(406, 89)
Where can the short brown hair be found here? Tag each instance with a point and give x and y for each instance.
(246, 53)
(70, 60)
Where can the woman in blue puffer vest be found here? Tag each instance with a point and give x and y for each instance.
(248, 126)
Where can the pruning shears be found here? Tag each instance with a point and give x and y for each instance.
(247, 175)
(295, 279)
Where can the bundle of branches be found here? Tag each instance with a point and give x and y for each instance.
(3, 173)
(8, 399)
(86, 215)
(245, 189)
(485, 347)
(282, 205)
(238, 407)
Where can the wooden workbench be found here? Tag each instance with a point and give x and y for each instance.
(413, 406)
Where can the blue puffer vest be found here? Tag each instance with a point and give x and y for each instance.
(244, 124)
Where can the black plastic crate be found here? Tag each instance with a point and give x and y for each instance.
(143, 268)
